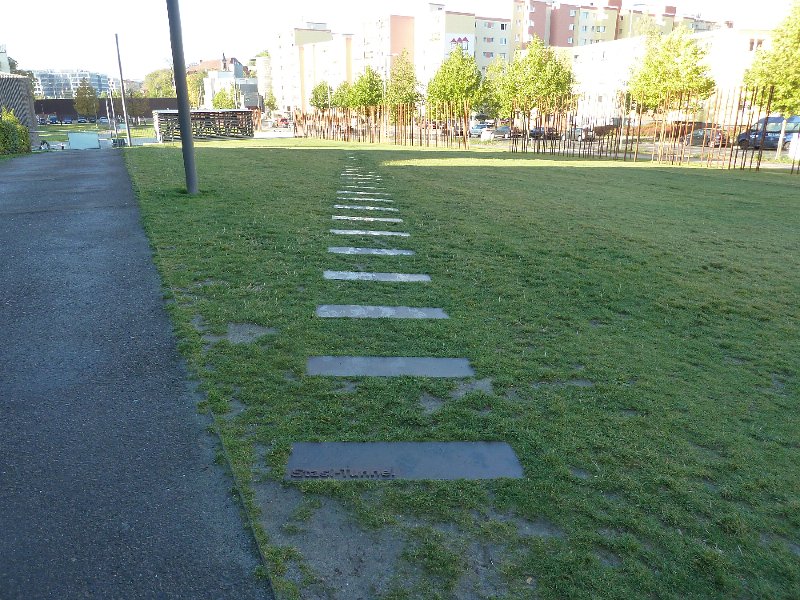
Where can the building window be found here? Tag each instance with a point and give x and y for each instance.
(488, 24)
(516, 38)
(488, 40)
(569, 40)
(585, 14)
(488, 54)
(503, 41)
(503, 26)
(584, 28)
(572, 26)
(572, 13)
(503, 55)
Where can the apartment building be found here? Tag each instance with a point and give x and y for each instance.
(64, 84)
(602, 71)
(580, 24)
(492, 41)
(305, 56)
(382, 41)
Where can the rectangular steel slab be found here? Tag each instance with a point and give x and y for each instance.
(388, 461)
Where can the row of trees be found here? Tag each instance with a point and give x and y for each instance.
(673, 67)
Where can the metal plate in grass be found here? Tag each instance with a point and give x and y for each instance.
(355, 311)
(367, 219)
(388, 277)
(365, 207)
(373, 251)
(387, 461)
(368, 232)
(388, 366)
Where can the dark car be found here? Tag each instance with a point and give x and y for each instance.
(66, 121)
(544, 133)
(766, 133)
(82, 120)
(707, 136)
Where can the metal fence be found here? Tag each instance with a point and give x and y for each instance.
(726, 131)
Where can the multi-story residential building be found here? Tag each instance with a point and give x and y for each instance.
(305, 56)
(602, 71)
(581, 24)
(383, 40)
(63, 84)
(263, 66)
(492, 41)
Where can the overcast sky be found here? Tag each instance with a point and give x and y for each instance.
(52, 34)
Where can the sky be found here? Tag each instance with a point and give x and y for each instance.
(46, 35)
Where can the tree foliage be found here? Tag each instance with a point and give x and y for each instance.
(321, 96)
(368, 89)
(159, 84)
(457, 81)
(15, 70)
(779, 65)
(342, 96)
(223, 99)
(86, 101)
(672, 66)
(402, 87)
(194, 83)
(539, 79)
(270, 102)
(14, 136)
(137, 104)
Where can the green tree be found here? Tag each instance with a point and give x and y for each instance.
(672, 66)
(86, 101)
(494, 98)
(194, 83)
(270, 102)
(321, 96)
(15, 70)
(778, 66)
(159, 84)
(137, 104)
(455, 87)
(539, 79)
(402, 87)
(342, 96)
(223, 99)
(368, 89)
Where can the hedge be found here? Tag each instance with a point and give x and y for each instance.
(14, 136)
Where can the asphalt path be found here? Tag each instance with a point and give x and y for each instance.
(108, 485)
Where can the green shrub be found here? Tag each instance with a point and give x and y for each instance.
(14, 136)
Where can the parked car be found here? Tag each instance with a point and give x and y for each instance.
(103, 120)
(41, 120)
(499, 133)
(582, 134)
(82, 120)
(53, 119)
(66, 121)
(707, 136)
(544, 133)
(477, 130)
(767, 132)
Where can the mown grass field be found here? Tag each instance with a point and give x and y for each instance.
(635, 329)
(59, 133)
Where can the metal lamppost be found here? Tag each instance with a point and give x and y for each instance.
(182, 91)
(122, 91)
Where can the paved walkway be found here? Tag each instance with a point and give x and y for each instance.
(108, 487)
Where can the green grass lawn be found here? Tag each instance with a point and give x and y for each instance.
(58, 133)
(638, 325)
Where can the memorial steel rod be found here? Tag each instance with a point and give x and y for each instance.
(182, 91)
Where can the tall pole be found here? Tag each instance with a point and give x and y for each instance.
(182, 91)
(122, 91)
